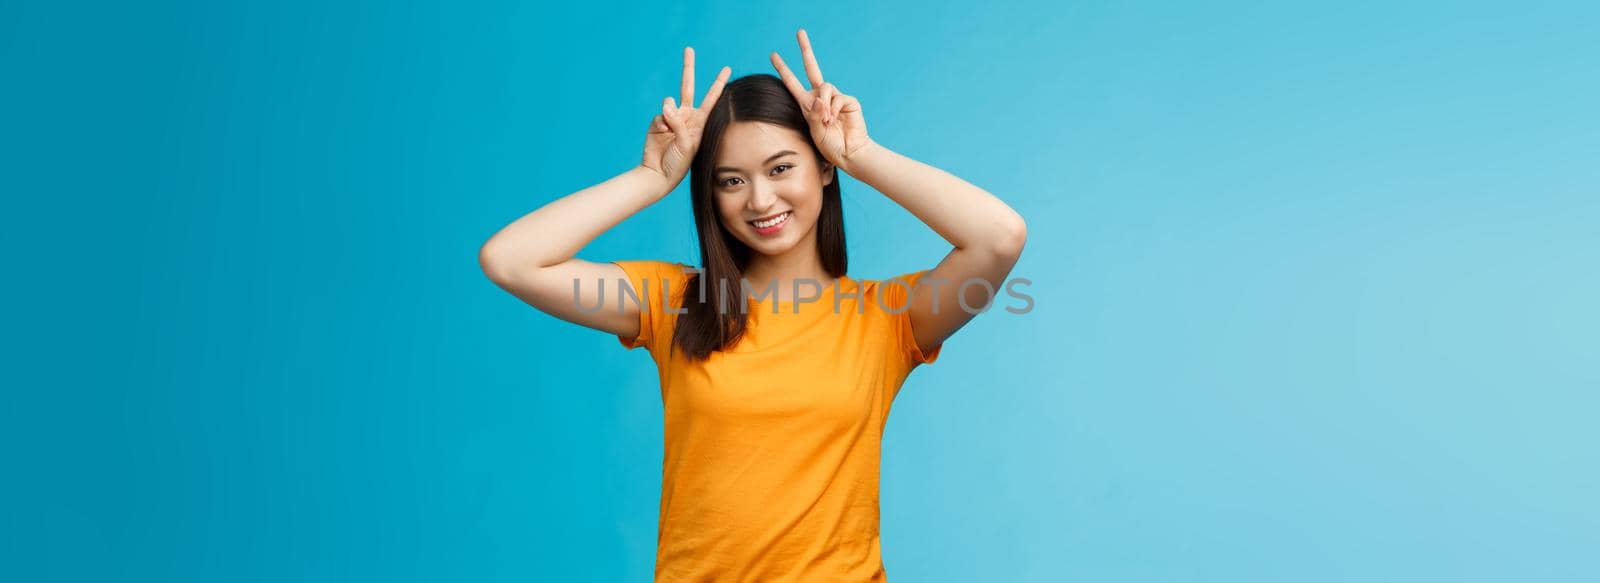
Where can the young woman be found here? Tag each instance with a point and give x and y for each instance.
(777, 369)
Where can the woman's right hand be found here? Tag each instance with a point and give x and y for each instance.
(674, 135)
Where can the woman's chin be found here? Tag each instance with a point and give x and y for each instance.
(771, 246)
(772, 249)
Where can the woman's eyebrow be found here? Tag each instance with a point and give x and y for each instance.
(768, 161)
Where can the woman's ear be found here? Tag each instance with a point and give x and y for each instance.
(827, 174)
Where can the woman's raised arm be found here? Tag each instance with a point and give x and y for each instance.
(987, 234)
(533, 257)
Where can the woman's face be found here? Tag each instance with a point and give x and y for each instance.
(768, 186)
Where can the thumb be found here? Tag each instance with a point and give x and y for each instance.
(669, 114)
(819, 108)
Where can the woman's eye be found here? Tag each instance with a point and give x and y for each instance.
(727, 182)
(781, 168)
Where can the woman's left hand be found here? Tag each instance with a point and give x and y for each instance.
(837, 125)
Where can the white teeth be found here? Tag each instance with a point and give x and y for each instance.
(773, 221)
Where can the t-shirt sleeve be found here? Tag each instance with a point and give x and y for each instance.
(895, 299)
(649, 280)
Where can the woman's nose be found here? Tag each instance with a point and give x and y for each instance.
(762, 196)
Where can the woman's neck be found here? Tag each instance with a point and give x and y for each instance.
(783, 270)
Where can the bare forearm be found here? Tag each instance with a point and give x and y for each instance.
(965, 215)
(556, 231)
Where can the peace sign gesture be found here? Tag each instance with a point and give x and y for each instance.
(837, 126)
(674, 135)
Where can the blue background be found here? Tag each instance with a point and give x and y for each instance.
(1316, 288)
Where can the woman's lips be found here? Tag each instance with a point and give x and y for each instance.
(772, 226)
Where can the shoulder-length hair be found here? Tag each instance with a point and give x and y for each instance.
(709, 323)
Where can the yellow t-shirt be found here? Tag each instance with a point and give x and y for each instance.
(772, 445)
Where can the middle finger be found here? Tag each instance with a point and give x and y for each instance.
(813, 70)
(686, 91)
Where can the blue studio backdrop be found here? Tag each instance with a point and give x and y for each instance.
(1315, 287)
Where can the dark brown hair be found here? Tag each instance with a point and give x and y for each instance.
(704, 328)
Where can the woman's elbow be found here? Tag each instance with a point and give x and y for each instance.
(492, 260)
(1011, 236)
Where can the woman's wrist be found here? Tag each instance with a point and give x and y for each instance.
(657, 184)
(854, 160)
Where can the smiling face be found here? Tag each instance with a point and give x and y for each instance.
(768, 183)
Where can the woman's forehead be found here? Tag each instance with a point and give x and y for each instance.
(749, 143)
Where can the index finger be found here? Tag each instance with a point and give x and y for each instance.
(686, 91)
(813, 70)
(716, 89)
(789, 80)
